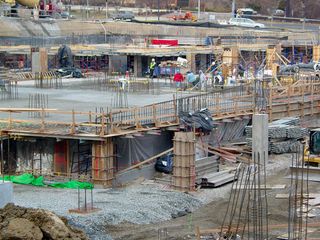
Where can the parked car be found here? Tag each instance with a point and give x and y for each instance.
(245, 22)
(123, 15)
(279, 12)
(246, 12)
(165, 163)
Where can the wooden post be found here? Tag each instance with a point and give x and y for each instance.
(175, 108)
(289, 98)
(136, 118)
(302, 109)
(312, 105)
(42, 119)
(102, 131)
(10, 120)
(154, 113)
(90, 117)
(270, 104)
(73, 124)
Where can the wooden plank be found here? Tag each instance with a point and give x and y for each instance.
(305, 196)
(145, 161)
(262, 187)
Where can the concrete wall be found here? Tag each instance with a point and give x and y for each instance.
(6, 193)
(146, 172)
(45, 28)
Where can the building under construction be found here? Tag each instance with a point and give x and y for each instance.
(228, 152)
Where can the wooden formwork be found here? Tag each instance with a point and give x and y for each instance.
(184, 161)
(103, 162)
(316, 53)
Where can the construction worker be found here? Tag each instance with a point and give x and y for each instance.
(152, 67)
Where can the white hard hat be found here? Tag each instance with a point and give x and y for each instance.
(153, 59)
(213, 63)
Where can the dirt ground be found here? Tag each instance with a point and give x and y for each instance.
(210, 216)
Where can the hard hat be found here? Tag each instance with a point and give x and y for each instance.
(153, 60)
(213, 63)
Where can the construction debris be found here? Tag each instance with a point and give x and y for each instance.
(27, 223)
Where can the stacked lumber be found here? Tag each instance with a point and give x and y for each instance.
(217, 179)
(284, 135)
(206, 165)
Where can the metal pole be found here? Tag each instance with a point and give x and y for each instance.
(158, 10)
(233, 8)
(199, 9)
(2, 162)
(87, 9)
(106, 9)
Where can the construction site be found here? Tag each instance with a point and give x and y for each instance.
(167, 126)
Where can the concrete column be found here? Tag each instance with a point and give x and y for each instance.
(191, 57)
(137, 66)
(110, 65)
(102, 162)
(203, 62)
(260, 137)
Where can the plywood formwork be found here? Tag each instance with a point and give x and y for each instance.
(39, 60)
(103, 162)
(272, 54)
(184, 161)
(231, 55)
(316, 53)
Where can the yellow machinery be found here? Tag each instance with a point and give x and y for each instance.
(26, 3)
(314, 148)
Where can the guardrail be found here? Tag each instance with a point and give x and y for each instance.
(228, 102)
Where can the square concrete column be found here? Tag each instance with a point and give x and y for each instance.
(137, 66)
(260, 137)
(203, 62)
(191, 57)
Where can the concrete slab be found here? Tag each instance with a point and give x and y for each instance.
(6, 193)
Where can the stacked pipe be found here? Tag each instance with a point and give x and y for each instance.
(284, 135)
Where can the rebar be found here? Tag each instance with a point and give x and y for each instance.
(38, 101)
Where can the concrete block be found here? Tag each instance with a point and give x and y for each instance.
(6, 193)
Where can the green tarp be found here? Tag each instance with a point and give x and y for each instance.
(29, 179)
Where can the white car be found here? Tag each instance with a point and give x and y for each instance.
(245, 22)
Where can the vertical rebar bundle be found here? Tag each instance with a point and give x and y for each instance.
(8, 90)
(298, 198)
(120, 98)
(38, 101)
(47, 80)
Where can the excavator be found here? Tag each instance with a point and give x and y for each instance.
(312, 153)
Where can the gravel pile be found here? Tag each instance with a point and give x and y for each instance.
(136, 204)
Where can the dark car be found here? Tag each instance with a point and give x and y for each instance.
(165, 163)
(123, 15)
